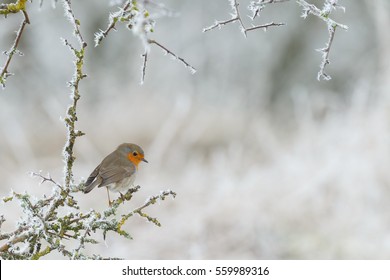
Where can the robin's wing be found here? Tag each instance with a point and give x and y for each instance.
(116, 173)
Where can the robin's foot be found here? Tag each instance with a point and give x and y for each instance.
(109, 203)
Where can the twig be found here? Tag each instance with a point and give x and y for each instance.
(46, 179)
(264, 26)
(219, 24)
(162, 8)
(4, 71)
(145, 60)
(167, 51)
(151, 200)
(257, 6)
(75, 22)
(16, 239)
(237, 17)
(99, 36)
(325, 55)
(324, 14)
(2, 220)
(76, 252)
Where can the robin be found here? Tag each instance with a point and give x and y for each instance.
(117, 171)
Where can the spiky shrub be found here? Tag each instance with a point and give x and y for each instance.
(42, 228)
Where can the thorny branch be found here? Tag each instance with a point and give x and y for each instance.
(71, 114)
(143, 69)
(113, 19)
(257, 6)
(5, 9)
(42, 224)
(324, 14)
(325, 55)
(185, 63)
(141, 22)
(236, 16)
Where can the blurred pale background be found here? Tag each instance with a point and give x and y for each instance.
(267, 162)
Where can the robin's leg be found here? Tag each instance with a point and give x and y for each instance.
(109, 200)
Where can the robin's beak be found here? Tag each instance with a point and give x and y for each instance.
(144, 160)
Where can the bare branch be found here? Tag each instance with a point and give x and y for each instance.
(324, 14)
(47, 178)
(71, 113)
(75, 22)
(145, 60)
(114, 18)
(264, 26)
(256, 7)
(325, 55)
(172, 54)
(4, 74)
(235, 17)
(219, 24)
(150, 201)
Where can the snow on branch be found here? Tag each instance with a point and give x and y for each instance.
(13, 8)
(41, 223)
(71, 112)
(43, 228)
(329, 6)
(259, 5)
(255, 7)
(138, 18)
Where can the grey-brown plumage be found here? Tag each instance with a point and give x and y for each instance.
(117, 170)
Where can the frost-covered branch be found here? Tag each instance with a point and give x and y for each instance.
(324, 13)
(41, 223)
(143, 69)
(173, 55)
(235, 17)
(150, 201)
(325, 55)
(255, 7)
(141, 21)
(5, 9)
(74, 21)
(113, 19)
(264, 26)
(71, 113)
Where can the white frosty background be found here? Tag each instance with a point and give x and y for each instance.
(268, 163)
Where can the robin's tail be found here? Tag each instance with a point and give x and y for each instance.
(93, 180)
(90, 187)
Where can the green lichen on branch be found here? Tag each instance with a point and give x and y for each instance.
(43, 228)
(74, 84)
(44, 225)
(13, 8)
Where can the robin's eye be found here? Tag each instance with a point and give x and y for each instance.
(135, 154)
